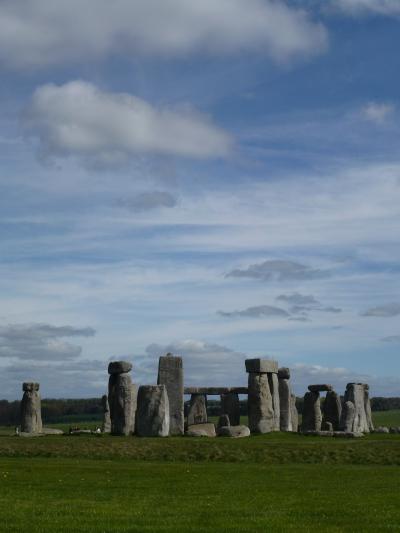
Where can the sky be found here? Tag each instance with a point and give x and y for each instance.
(219, 180)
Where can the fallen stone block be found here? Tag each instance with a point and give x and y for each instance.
(209, 429)
(196, 433)
(348, 434)
(52, 431)
(235, 432)
(381, 429)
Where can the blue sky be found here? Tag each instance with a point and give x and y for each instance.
(220, 180)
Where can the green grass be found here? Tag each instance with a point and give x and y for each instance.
(386, 418)
(66, 495)
(277, 482)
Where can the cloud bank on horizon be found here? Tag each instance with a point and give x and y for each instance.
(216, 179)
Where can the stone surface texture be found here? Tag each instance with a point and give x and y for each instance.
(355, 393)
(332, 409)
(294, 413)
(31, 411)
(324, 387)
(285, 399)
(260, 404)
(284, 373)
(230, 405)
(122, 403)
(208, 429)
(170, 374)
(347, 418)
(152, 416)
(234, 432)
(197, 413)
(312, 416)
(106, 424)
(223, 421)
(261, 366)
(119, 367)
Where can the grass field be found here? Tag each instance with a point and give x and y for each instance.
(276, 482)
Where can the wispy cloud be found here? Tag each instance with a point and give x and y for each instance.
(386, 310)
(148, 200)
(391, 338)
(362, 7)
(259, 311)
(278, 270)
(377, 112)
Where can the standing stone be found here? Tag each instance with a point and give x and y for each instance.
(347, 418)
(170, 374)
(294, 413)
(121, 398)
(259, 404)
(230, 406)
(106, 425)
(274, 388)
(285, 398)
(367, 405)
(355, 393)
(31, 412)
(312, 417)
(332, 409)
(223, 421)
(152, 418)
(197, 410)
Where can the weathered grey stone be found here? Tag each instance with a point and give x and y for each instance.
(31, 411)
(394, 429)
(208, 429)
(326, 426)
(284, 373)
(381, 429)
(285, 399)
(106, 424)
(122, 403)
(197, 410)
(223, 421)
(320, 387)
(261, 366)
(332, 410)
(320, 433)
(294, 413)
(355, 393)
(152, 416)
(119, 367)
(234, 432)
(348, 434)
(347, 418)
(170, 374)
(367, 406)
(274, 388)
(230, 405)
(259, 404)
(214, 391)
(312, 417)
(196, 432)
(52, 431)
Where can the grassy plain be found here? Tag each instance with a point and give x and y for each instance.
(276, 482)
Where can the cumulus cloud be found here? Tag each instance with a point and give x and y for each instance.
(37, 33)
(278, 270)
(79, 119)
(377, 112)
(259, 311)
(40, 341)
(148, 200)
(379, 7)
(386, 310)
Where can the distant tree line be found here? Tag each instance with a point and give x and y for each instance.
(90, 409)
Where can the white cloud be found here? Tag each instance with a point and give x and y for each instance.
(40, 32)
(386, 310)
(377, 112)
(79, 119)
(280, 270)
(380, 7)
(259, 311)
(148, 200)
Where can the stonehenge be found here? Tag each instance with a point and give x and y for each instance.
(230, 406)
(31, 411)
(106, 425)
(285, 400)
(356, 414)
(197, 410)
(312, 416)
(122, 394)
(170, 374)
(332, 410)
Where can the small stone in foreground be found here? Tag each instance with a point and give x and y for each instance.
(235, 432)
(209, 429)
(223, 421)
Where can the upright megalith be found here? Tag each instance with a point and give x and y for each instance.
(230, 406)
(170, 374)
(332, 410)
(263, 395)
(31, 411)
(152, 418)
(294, 413)
(367, 405)
(347, 418)
(312, 417)
(121, 398)
(197, 413)
(285, 400)
(355, 393)
(106, 424)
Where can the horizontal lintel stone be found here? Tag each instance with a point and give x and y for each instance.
(261, 366)
(320, 388)
(215, 391)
